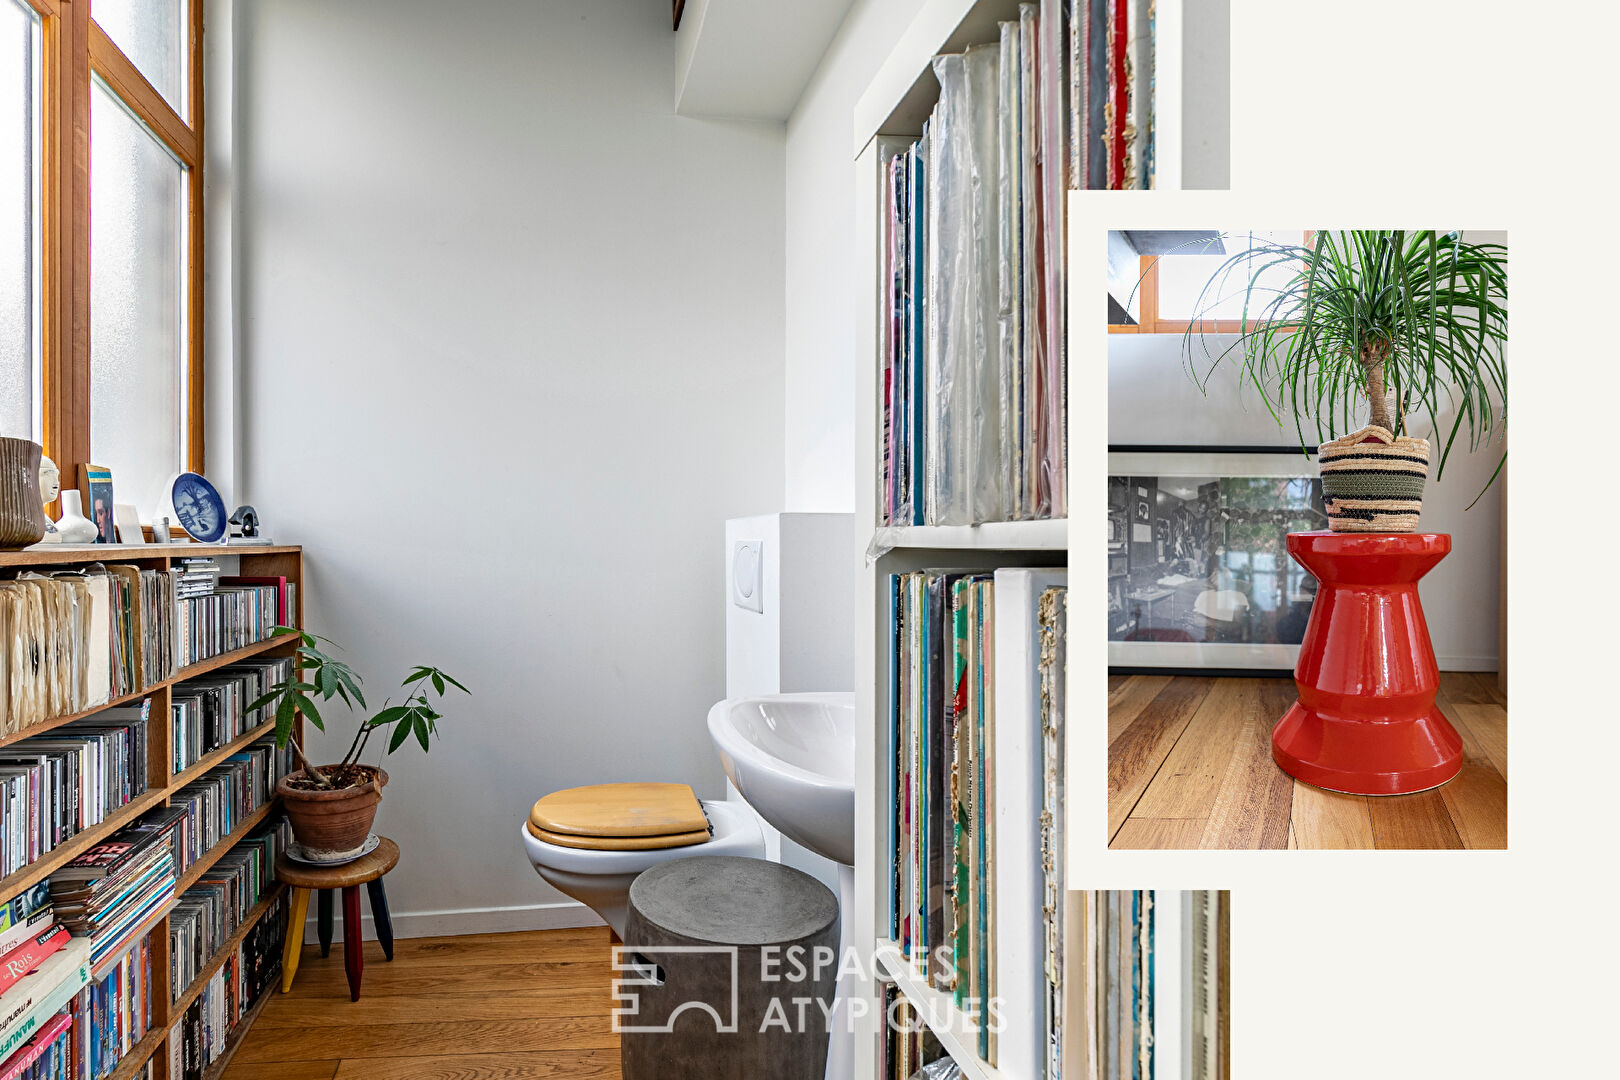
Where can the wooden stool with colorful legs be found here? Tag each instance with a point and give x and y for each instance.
(303, 878)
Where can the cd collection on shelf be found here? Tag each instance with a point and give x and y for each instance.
(202, 1033)
(211, 806)
(57, 784)
(972, 368)
(208, 913)
(105, 632)
(211, 710)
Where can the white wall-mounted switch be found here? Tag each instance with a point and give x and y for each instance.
(748, 575)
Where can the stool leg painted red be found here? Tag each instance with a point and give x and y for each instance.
(353, 946)
(323, 923)
(1366, 721)
(379, 917)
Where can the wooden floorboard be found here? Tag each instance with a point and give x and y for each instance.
(1189, 765)
(481, 1007)
(1140, 749)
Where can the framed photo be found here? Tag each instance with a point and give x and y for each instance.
(1205, 582)
(96, 485)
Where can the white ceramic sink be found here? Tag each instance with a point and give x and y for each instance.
(792, 756)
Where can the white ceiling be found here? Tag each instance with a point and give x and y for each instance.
(750, 59)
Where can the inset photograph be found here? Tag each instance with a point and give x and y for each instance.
(1306, 572)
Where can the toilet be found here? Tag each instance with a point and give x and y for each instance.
(590, 843)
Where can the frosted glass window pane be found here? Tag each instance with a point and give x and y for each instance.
(1183, 278)
(154, 35)
(21, 96)
(137, 297)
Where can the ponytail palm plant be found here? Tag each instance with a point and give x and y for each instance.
(1394, 326)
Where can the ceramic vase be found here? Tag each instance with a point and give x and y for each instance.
(22, 514)
(74, 527)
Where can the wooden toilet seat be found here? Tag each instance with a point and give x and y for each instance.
(620, 817)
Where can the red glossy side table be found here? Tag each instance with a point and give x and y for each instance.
(1366, 721)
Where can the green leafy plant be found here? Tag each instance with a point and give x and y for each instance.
(317, 675)
(1405, 324)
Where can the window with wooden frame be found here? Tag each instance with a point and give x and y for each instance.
(1176, 288)
(101, 306)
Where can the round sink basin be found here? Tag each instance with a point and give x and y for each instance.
(792, 756)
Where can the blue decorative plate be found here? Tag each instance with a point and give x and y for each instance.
(198, 509)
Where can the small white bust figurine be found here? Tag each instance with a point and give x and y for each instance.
(50, 486)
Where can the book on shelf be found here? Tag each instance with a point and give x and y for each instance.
(971, 361)
(31, 1003)
(1053, 616)
(25, 957)
(25, 915)
(45, 1055)
(114, 892)
(908, 1043)
(113, 1013)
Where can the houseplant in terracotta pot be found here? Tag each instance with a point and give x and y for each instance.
(331, 807)
(1389, 327)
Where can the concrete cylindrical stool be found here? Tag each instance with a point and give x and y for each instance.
(746, 965)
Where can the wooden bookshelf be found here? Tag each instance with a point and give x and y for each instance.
(254, 560)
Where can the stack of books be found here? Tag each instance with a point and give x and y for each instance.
(40, 975)
(201, 1035)
(46, 1056)
(971, 367)
(211, 711)
(116, 891)
(55, 785)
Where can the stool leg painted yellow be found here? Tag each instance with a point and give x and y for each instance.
(295, 937)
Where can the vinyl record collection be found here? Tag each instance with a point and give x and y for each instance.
(77, 639)
(57, 784)
(908, 1043)
(942, 725)
(210, 711)
(208, 913)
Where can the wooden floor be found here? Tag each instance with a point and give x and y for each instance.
(1189, 766)
(483, 1007)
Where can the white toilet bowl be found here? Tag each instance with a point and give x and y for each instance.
(601, 879)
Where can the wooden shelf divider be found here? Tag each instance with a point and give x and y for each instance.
(261, 560)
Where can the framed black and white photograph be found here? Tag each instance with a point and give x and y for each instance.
(1204, 581)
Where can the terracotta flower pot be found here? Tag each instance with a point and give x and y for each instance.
(329, 824)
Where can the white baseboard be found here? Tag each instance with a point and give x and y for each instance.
(560, 915)
(1467, 663)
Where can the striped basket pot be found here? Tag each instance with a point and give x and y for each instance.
(1372, 481)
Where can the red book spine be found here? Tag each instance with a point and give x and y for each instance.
(28, 955)
(1119, 92)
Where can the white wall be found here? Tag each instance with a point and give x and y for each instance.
(819, 427)
(512, 353)
(1152, 400)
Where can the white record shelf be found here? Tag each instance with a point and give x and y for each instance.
(887, 118)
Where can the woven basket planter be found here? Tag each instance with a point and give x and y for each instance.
(1372, 481)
